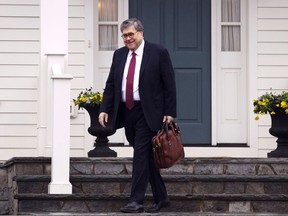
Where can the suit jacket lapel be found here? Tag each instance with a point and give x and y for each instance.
(122, 62)
(145, 58)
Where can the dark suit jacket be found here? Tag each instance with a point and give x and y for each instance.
(157, 87)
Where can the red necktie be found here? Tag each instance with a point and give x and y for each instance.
(129, 82)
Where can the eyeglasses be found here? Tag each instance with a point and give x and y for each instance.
(130, 35)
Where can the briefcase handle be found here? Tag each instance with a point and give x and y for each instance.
(169, 126)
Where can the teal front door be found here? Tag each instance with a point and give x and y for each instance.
(184, 28)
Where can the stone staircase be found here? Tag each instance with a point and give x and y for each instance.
(102, 185)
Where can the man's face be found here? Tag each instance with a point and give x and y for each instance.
(132, 38)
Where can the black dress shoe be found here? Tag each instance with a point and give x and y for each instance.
(132, 207)
(156, 207)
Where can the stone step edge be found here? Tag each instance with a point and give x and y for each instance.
(185, 161)
(222, 197)
(149, 214)
(167, 178)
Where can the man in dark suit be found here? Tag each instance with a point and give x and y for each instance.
(153, 102)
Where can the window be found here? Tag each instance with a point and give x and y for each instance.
(108, 24)
(230, 25)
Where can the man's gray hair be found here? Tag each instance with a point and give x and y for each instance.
(132, 21)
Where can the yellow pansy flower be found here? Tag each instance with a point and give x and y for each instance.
(283, 104)
(83, 99)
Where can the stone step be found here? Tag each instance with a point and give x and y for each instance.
(171, 178)
(195, 166)
(149, 214)
(178, 184)
(218, 185)
(217, 203)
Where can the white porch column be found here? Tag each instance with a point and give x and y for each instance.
(55, 91)
(60, 129)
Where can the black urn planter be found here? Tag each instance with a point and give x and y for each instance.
(101, 143)
(279, 129)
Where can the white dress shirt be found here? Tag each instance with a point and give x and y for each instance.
(139, 56)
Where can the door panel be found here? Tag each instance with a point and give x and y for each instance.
(183, 27)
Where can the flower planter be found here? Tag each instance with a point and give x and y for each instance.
(101, 143)
(279, 129)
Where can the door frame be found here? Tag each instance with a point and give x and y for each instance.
(251, 67)
(251, 79)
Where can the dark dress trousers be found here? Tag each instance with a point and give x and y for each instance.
(157, 92)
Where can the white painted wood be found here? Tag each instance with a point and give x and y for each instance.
(20, 10)
(18, 130)
(76, 34)
(273, 48)
(19, 2)
(79, 120)
(279, 12)
(19, 22)
(78, 82)
(272, 71)
(231, 87)
(60, 162)
(272, 3)
(18, 83)
(77, 70)
(268, 143)
(21, 35)
(19, 46)
(76, 23)
(273, 24)
(231, 82)
(18, 119)
(18, 95)
(76, 46)
(54, 26)
(264, 131)
(76, 142)
(214, 59)
(78, 129)
(76, 59)
(19, 70)
(76, 10)
(13, 143)
(272, 59)
(7, 153)
(272, 36)
(18, 107)
(76, 2)
(80, 67)
(19, 58)
(273, 82)
(252, 74)
(54, 44)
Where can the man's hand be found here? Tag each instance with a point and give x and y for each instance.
(168, 119)
(103, 119)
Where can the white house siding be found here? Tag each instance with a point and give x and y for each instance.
(77, 68)
(19, 68)
(19, 72)
(272, 59)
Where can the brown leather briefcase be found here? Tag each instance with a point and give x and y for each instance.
(167, 146)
